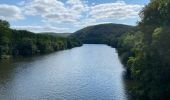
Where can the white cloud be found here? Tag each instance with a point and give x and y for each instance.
(73, 2)
(71, 14)
(41, 7)
(118, 10)
(59, 18)
(36, 28)
(10, 12)
(56, 11)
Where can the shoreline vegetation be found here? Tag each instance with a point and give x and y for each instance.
(144, 49)
(145, 53)
(25, 43)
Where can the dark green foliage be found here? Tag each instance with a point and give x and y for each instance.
(144, 50)
(21, 42)
(146, 53)
(4, 23)
(26, 47)
(5, 37)
(102, 34)
(73, 42)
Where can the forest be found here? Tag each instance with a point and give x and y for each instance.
(143, 49)
(102, 33)
(25, 43)
(145, 52)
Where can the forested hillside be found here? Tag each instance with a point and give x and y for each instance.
(102, 34)
(21, 42)
(146, 53)
(143, 49)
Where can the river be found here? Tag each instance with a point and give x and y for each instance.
(90, 72)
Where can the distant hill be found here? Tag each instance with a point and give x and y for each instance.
(103, 33)
(57, 34)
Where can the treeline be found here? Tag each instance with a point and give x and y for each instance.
(143, 49)
(145, 52)
(25, 43)
(102, 34)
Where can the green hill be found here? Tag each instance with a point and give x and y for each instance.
(103, 33)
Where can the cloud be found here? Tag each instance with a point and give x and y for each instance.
(55, 11)
(70, 14)
(59, 18)
(73, 2)
(10, 12)
(36, 28)
(41, 7)
(118, 10)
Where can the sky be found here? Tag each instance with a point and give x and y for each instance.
(67, 16)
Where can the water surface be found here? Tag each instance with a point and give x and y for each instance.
(90, 72)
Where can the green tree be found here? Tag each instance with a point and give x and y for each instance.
(26, 47)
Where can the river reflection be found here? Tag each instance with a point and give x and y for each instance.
(90, 72)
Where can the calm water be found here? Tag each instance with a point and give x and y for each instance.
(90, 72)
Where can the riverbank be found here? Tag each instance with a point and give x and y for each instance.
(89, 72)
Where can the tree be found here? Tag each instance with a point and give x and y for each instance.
(26, 47)
(4, 23)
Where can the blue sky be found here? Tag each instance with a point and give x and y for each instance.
(68, 15)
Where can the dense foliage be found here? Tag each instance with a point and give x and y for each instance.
(146, 52)
(144, 49)
(21, 42)
(102, 34)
